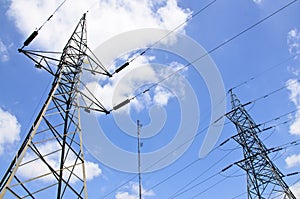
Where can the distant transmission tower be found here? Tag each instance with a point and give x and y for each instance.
(264, 179)
(50, 161)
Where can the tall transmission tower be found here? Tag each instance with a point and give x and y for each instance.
(264, 179)
(50, 162)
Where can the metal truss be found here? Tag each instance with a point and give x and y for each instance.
(264, 179)
(50, 161)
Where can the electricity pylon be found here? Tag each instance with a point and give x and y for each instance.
(264, 179)
(50, 162)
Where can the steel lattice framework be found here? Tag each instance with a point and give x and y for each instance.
(264, 179)
(53, 146)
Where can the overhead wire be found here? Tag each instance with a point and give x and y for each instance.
(35, 32)
(128, 100)
(197, 177)
(201, 182)
(179, 171)
(210, 187)
(265, 71)
(213, 123)
(49, 18)
(179, 26)
(163, 37)
(241, 194)
(212, 50)
(274, 149)
(254, 77)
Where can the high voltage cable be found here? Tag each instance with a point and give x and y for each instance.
(209, 52)
(274, 149)
(201, 182)
(128, 100)
(35, 33)
(165, 36)
(267, 70)
(49, 18)
(184, 189)
(269, 150)
(197, 177)
(210, 187)
(182, 169)
(281, 147)
(211, 124)
(293, 143)
(260, 74)
(224, 43)
(241, 194)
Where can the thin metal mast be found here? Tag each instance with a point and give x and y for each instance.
(52, 149)
(139, 158)
(264, 179)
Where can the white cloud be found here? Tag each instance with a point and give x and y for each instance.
(258, 1)
(161, 96)
(9, 129)
(292, 161)
(4, 56)
(105, 19)
(133, 192)
(134, 80)
(294, 88)
(36, 167)
(294, 70)
(293, 41)
(296, 189)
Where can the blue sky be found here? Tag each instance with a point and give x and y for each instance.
(267, 53)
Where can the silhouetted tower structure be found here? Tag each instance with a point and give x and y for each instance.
(264, 179)
(52, 150)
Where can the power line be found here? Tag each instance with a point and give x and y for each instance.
(211, 124)
(241, 194)
(264, 71)
(209, 52)
(165, 36)
(127, 101)
(293, 143)
(281, 147)
(35, 33)
(182, 189)
(210, 187)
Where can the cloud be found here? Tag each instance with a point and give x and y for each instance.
(134, 80)
(4, 56)
(9, 129)
(294, 87)
(161, 96)
(296, 189)
(293, 161)
(293, 41)
(51, 152)
(104, 20)
(132, 192)
(258, 1)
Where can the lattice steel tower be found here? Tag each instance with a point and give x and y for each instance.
(53, 146)
(264, 179)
